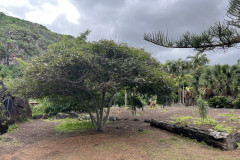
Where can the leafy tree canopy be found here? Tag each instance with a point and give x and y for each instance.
(92, 71)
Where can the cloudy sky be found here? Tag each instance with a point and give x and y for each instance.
(127, 21)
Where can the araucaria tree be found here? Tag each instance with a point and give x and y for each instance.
(220, 35)
(92, 72)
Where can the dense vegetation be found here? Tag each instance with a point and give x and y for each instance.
(213, 83)
(23, 39)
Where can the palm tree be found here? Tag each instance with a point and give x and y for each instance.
(179, 68)
(198, 60)
(220, 80)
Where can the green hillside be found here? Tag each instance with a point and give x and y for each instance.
(23, 39)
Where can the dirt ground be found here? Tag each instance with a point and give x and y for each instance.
(38, 140)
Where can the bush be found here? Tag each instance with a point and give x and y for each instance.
(220, 102)
(202, 108)
(5, 120)
(136, 102)
(55, 104)
(236, 103)
(119, 98)
(40, 108)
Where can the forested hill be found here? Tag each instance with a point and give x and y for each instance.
(23, 39)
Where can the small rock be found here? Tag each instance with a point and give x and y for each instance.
(45, 116)
(61, 116)
(118, 127)
(86, 117)
(135, 119)
(73, 115)
(7, 139)
(118, 119)
(125, 119)
(147, 120)
(140, 130)
(80, 119)
(38, 116)
(113, 118)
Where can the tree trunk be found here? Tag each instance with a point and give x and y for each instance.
(183, 95)
(179, 96)
(108, 111)
(125, 98)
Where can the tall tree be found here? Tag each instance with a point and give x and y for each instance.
(198, 60)
(92, 72)
(220, 35)
(219, 80)
(179, 69)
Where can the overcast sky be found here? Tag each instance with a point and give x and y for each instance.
(127, 21)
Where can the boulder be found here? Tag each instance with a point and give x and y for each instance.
(73, 115)
(61, 116)
(20, 109)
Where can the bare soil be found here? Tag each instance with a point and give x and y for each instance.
(38, 140)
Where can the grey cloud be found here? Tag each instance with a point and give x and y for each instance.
(128, 20)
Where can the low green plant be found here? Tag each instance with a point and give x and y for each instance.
(174, 138)
(222, 127)
(71, 125)
(12, 127)
(202, 108)
(236, 103)
(146, 132)
(234, 118)
(238, 145)
(226, 114)
(207, 121)
(181, 119)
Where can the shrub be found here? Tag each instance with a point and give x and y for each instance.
(56, 104)
(202, 108)
(136, 102)
(40, 108)
(236, 103)
(119, 98)
(12, 127)
(220, 102)
(5, 120)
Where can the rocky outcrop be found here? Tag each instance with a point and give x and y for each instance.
(222, 140)
(21, 109)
